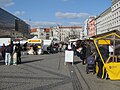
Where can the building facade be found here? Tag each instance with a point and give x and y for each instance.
(103, 22)
(109, 20)
(12, 26)
(115, 15)
(89, 27)
(42, 33)
(70, 32)
(85, 31)
(58, 33)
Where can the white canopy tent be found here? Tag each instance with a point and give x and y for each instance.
(34, 40)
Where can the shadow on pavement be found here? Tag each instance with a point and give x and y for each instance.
(77, 62)
(32, 61)
(24, 57)
(2, 62)
(1, 58)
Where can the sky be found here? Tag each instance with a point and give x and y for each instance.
(46, 13)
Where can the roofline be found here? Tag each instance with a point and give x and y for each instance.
(17, 18)
(74, 27)
(103, 13)
(114, 31)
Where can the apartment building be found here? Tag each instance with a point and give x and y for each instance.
(103, 23)
(109, 20)
(115, 15)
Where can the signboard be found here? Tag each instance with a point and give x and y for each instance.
(34, 41)
(104, 42)
(68, 56)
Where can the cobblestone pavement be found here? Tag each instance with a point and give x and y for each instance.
(48, 72)
(37, 72)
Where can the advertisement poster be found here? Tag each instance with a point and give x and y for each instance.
(68, 56)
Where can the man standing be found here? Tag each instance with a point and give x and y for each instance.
(8, 53)
(19, 48)
(35, 48)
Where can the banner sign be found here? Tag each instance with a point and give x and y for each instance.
(34, 40)
(104, 42)
(113, 70)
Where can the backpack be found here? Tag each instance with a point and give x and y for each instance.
(7, 49)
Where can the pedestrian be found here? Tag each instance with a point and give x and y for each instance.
(69, 47)
(25, 47)
(19, 48)
(78, 50)
(3, 51)
(88, 51)
(105, 54)
(100, 66)
(51, 49)
(83, 54)
(8, 55)
(60, 47)
(15, 55)
(74, 48)
(35, 48)
(30, 51)
(64, 47)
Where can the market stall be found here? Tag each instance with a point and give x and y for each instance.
(35, 41)
(108, 47)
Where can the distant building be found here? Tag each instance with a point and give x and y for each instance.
(59, 33)
(12, 26)
(70, 32)
(41, 33)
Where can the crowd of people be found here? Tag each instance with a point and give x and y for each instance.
(12, 53)
(33, 49)
(86, 51)
(89, 56)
